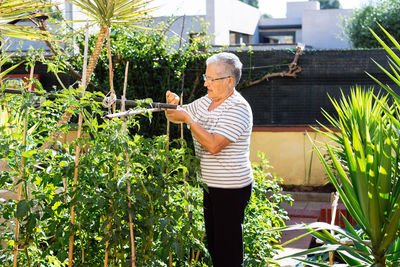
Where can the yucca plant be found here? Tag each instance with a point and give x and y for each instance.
(13, 10)
(365, 171)
(10, 12)
(107, 14)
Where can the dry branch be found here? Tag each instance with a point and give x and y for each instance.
(293, 70)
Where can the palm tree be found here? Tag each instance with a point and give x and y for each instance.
(107, 14)
(12, 11)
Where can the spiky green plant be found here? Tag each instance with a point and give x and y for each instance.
(14, 10)
(365, 171)
(107, 14)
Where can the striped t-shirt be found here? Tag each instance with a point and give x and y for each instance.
(233, 119)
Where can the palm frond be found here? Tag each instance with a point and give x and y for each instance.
(12, 11)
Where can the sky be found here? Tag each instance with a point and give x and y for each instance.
(276, 8)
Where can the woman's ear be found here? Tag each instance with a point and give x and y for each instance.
(231, 82)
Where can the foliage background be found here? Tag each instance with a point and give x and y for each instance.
(385, 12)
(161, 223)
(328, 4)
(155, 66)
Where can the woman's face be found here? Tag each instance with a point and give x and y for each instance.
(217, 89)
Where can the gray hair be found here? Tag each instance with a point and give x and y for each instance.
(232, 63)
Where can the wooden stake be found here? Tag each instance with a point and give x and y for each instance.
(166, 172)
(107, 243)
(184, 177)
(191, 258)
(21, 171)
(78, 147)
(111, 77)
(109, 218)
(198, 251)
(132, 237)
(110, 67)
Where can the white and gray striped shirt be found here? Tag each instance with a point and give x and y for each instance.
(233, 119)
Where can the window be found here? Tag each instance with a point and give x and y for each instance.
(238, 38)
(279, 34)
(278, 37)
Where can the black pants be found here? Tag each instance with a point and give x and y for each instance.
(224, 216)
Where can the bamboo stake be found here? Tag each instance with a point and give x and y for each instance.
(185, 176)
(167, 171)
(21, 172)
(110, 67)
(21, 169)
(78, 147)
(132, 103)
(111, 77)
(132, 237)
(132, 112)
(191, 258)
(198, 251)
(109, 218)
(30, 78)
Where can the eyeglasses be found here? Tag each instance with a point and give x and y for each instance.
(205, 78)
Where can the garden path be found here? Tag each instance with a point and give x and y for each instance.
(306, 208)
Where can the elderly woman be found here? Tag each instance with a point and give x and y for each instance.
(221, 124)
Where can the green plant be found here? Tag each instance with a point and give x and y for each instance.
(154, 68)
(356, 27)
(14, 10)
(157, 198)
(328, 4)
(158, 202)
(365, 156)
(107, 14)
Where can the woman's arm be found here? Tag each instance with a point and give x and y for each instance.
(213, 143)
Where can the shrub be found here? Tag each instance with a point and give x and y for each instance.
(155, 66)
(356, 27)
(159, 204)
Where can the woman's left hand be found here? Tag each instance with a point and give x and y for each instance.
(177, 115)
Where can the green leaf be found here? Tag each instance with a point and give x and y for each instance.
(29, 153)
(22, 209)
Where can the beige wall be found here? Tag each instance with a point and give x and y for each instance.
(290, 154)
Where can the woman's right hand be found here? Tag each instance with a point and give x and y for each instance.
(172, 98)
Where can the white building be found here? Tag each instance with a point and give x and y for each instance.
(306, 23)
(232, 22)
(229, 21)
